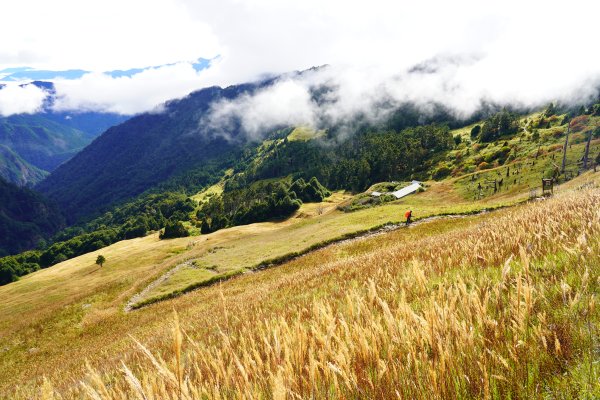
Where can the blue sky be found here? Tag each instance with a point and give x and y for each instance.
(19, 74)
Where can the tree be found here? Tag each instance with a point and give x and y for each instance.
(550, 110)
(100, 260)
(174, 229)
(475, 131)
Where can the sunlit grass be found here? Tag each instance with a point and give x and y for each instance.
(494, 306)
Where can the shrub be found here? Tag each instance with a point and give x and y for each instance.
(441, 172)
(550, 110)
(579, 123)
(483, 165)
(311, 192)
(174, 229)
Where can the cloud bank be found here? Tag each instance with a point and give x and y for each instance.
(466, 52)
(16, 99)
(525, 53)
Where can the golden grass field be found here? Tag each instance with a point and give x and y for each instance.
(498, 305)
(52, 320)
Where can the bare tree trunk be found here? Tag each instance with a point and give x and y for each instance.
(564, 160)
(587, 151)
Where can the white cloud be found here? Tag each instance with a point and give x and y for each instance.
(15, 99)
(287, 102)
(101, 35)
(127, 95)
(510, 51)
(524, 53)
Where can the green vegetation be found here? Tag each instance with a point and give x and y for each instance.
(14, 169)
(261, 201)
(38, 143)
(174, 229)
(353, 163)
(311, 191)
(151, 152)
(26, 218)
(499, 124)
(304, 134)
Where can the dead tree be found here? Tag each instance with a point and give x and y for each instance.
(564, 160)
(587, 151)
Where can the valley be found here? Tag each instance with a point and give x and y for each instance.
(296, 200)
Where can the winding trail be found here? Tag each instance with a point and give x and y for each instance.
(361, 235)
(138, 296)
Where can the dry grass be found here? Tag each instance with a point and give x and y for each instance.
(498, 306)
(244, 247)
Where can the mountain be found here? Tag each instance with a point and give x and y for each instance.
(39, 142)
(145, 151)
(25, 218)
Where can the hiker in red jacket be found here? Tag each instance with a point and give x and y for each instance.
(408, 216)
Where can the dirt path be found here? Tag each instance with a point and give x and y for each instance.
(137, 297)
(336, 242)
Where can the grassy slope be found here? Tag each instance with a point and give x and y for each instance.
(316, 294)
(231, 251)
(304, 134)
(447, 197)
(75, 306)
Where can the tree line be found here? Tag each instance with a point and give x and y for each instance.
(261, 201)
(134, 219)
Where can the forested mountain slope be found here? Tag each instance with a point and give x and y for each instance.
(25, 218)
(143, 152)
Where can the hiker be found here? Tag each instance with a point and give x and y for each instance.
(408, 216)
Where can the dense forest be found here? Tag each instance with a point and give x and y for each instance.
(352, 163)
(146, 153)
(26, 218)
(260, 201)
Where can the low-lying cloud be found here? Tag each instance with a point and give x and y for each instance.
(460, 84)
(467, 53)
(17, 99)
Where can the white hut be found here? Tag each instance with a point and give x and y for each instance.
(405, 191)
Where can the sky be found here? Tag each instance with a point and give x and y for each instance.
(525, 52)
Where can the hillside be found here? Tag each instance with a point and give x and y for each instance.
(25, 218)
(144, 152)
(176, 149)
(266, 209)
(440, 305)
(272, 179)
